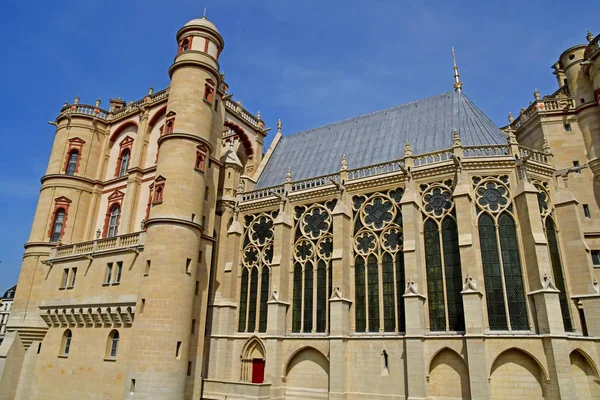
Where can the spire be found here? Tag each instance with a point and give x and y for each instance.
(279, 125)
(344, 163)
(204, 15)
(457, 83)
(288, 175)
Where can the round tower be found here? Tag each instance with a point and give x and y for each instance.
(66, 197)
(581, 89)
(165, 355)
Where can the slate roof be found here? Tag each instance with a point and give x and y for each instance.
(379, 137)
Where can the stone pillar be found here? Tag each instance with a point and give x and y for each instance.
(414, 302)
(545, 295)
(279, 300)
(339, 304)
(472, 273)
(134, 179)
(577, 261)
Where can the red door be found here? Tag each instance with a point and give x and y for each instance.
(258, 370)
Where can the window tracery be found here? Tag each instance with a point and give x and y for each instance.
(257, 254)
(312, 278)
(546, 208)
(379, 260)
(503, 279)
(442, 258)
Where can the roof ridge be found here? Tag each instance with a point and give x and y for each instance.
(369, 114)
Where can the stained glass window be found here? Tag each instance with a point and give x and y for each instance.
(373, 293)
(435, 285)
(452, 269)
(359, 296)
(557, 272)
(264, 296)
(243, 301)
(252, 301)
(308, 298)
(389, 308)
(297, 302)
(321, 296)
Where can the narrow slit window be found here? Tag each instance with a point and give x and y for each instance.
(188, 262)
(109, 272)
(586, 211)
(178, 350)
(72, 163)
(147, 271)
(118, 272)
(142, 306)
(576, 165)
(132, 386)
(197, 288)
(596, 258)
(65, 278)
(57, 226)
(189, 368)
(193, 326)
(73, 276)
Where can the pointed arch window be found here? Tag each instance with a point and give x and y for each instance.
(312, 253)
(503, 279)
(257, 255)
(442, 258)
(545, 207)
(379, 262)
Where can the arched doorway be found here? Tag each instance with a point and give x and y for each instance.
(516, 376)
(586, 386)
(307, 375)
(448, 377)
(253, 361)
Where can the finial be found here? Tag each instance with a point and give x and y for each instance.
(456, 139)
(279, 125)
(204, 15)
(510, 117)
(150, 90)
(457, 83)
(241, 186)
(76, 101)
(512, 138)
(288, 175)
(589, 36)
(98, 101)
(536, 95)
(407, 149)
(258, 115)
(344, 163)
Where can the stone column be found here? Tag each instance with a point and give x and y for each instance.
(472, 273)
(414, 302)
(545, 295)
(279, 299)
(339, 304)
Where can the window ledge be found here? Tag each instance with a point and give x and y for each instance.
(110, 359)
(199, 170)
(116, 283)
(106, 284)
(156, 202)
(70, 287)
(63, 356)
(62, 288)
(207, 102)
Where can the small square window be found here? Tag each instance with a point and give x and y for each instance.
(596, 258)
(586, 211)
(576, 164)
(568, 127)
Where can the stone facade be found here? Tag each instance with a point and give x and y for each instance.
(157, 267)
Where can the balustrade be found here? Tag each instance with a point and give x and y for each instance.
(85, 248)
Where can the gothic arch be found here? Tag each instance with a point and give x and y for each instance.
(157, 115)
(120, 129)
(589, 360)
(515, 368)
(242, 135)
(585, 375)
(253, 360)
(448, 375)
(297, 351)
(307, 362)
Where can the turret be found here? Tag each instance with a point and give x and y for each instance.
(65, 199)
(166, 358)
(577, 70)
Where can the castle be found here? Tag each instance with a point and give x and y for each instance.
(418, 252)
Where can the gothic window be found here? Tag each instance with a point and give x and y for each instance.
(553, 248)
(72, 163)
(442, 258)
(378, 262)
(503, 279)
(313, 248)
(57, 226)
(257, 255)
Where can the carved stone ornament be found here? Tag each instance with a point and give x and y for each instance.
(337, 293)
(469, 284)
(547, 283)
(411, 288)
(596, 285)
(274, 295)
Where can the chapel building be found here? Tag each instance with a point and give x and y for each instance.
(418, 252)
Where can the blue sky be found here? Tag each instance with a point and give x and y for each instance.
(306, 62)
